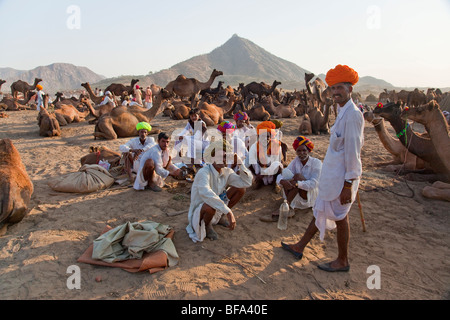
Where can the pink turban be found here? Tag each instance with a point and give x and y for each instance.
(240, 116)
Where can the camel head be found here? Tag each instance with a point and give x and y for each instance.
(133, 82)
(216, 73)
(308, 77)
(421, 114)
(389, 111)
(36, 81)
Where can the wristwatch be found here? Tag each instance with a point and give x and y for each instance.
(349, 181)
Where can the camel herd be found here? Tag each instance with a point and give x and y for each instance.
(427, 153)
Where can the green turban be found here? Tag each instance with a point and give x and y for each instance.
(143, 126)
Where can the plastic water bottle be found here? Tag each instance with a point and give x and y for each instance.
(283, 217)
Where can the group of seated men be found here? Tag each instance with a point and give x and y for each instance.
(229, 159)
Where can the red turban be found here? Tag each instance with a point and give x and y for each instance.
(269, 126)
(341, 74)
(301, 140)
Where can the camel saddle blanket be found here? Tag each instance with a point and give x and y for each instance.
(134, 247)
(89, 178)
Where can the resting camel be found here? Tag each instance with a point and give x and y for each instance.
(121, 121)
(13, 104)
(101, 153)
(319, 121)
(24, 87)
(416, 98)
(190, 88)
(430, 115)
(118, 89)
(94, 98)
(47, 122)
(211, 114)
(97, 111)
(281, 110)
(403, 159)
(258, 112)
(305, 125)
(416, 144)
(16, 186)
(60, 100)
(68, 113)
(177, 110)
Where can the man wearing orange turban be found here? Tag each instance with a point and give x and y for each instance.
(341, 171)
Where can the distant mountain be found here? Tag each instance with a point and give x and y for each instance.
(240, 60)
(55, 77)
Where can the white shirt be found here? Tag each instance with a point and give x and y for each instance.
(246, 134)
(209, 184)
(106, 100)
(160, 158)
(343, 158)
(252, 158)
(135, 143)
(311, 171)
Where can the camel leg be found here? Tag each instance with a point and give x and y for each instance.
(209, 122)
(105, 130)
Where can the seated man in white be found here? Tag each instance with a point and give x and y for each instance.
(156, 165)
(133, 150)
(216, 189)
(300, 180)
(264, 156)
(226, 129)
(244, 130)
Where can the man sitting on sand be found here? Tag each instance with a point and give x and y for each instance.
(133, 150)
(244, 130)
(216, 189)
(300, 180)
(156, 165)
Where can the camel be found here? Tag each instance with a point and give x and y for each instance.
(258, 112)
(16, 186)
(13, 104)
(259, 89)
(60, 100)
(121, 121)
(430, 115)
(1, 83)
(94, 98)
(118, 89)
(101, 153)
(67, 113)
(178, 110)
(214, 91)
(281, 110)
(318, 90)
(305, 125)
(190, 88)
(416, 144)
(212, 115)
(403, 159)
(47, 122)
(24, 87)
(439, 191)
(416, 98)
(319, 121)
(97, 111)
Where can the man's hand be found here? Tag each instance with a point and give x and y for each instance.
(346, 195)
(178, 174)
(287, 185)
(231, 220)
(299, 177)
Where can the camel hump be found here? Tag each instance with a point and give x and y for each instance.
(7, 151)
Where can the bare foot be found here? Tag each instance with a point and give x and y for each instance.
(211, 233)
(224, 221)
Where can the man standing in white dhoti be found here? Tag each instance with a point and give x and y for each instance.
(341, 171)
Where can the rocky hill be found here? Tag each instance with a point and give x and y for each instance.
(56, 77)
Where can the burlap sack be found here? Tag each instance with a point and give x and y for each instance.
(89, 178)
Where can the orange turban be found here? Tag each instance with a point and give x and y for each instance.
(341, 74)
(39, 87)
(269, 126)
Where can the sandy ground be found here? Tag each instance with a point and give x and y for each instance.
(407, 235)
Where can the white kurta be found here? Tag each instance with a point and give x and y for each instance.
(246, 134)
(161, 159)
(40, 100)
(273, 162)
(135, 143)
(207, 187)
(311, 171)
(342, 161)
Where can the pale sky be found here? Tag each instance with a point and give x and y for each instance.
(403, 42)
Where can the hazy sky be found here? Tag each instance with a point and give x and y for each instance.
(403, 42)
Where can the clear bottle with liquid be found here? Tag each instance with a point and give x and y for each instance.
(283, 217)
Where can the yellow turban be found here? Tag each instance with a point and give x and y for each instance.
(144, 126)
(39, 87)
(269, 126)
(341, 74)
(221, 144)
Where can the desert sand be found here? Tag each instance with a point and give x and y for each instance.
(407, 236)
